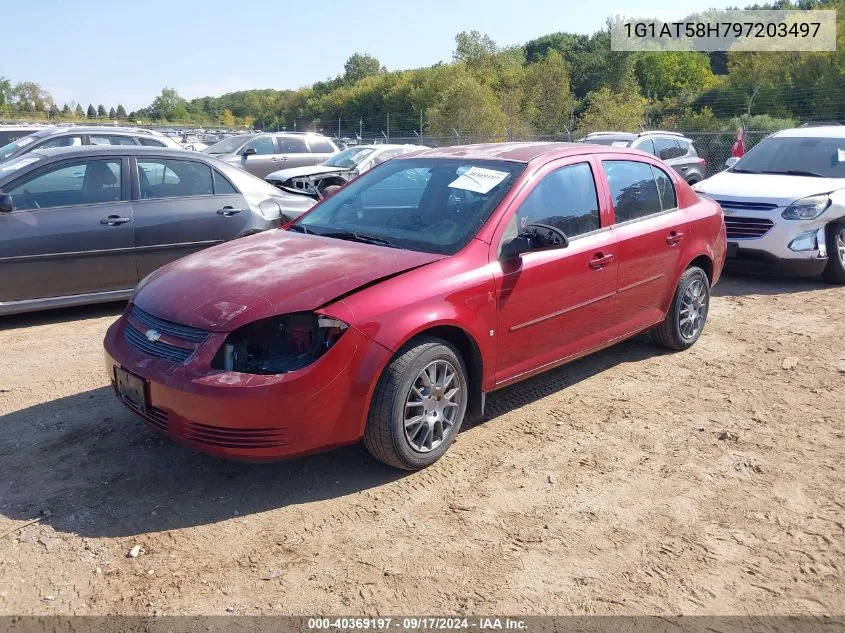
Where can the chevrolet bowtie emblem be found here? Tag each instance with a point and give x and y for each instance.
(152, 336)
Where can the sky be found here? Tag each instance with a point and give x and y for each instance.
(126, 52)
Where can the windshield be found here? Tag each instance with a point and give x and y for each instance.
(793, 155)
(349, 158)
(227, 145)
(435, 205)
(11, 148)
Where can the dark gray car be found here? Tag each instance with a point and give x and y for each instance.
(673, 148)
(261, 154)
(84, 225)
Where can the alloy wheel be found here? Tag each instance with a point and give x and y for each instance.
(432, 404)
(693, 309)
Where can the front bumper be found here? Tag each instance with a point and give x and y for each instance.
(251, 417)
(771, 252)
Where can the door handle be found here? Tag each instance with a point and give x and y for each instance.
(599, 261)
(228, 211)
(674, 237)
(684, 168)
(114, 220)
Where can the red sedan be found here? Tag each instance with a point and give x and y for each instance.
(388, 311)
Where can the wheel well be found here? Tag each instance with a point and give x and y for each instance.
(328, 182)
(468, 349)
(704, 263)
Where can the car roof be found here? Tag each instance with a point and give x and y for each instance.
(627, 136)
(823, 131)
(120, 150)
(102, 129)
(519, 152)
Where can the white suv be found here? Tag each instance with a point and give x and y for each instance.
(784, 203)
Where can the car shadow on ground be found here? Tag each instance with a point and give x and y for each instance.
(89, 467)
(736, 284)
(61, 315)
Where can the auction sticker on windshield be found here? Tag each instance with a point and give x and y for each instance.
(478, 179)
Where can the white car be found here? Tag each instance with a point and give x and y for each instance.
(784, 203)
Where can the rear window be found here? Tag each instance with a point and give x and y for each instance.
(150, 142)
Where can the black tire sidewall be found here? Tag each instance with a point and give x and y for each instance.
(404, 451)
(691, 275)
(837, 267)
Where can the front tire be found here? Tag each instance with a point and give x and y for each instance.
(687, 315)
(418, 405)
(834, 272)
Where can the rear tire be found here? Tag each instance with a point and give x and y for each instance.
(834, 272)
(687, 315)
(412, 436)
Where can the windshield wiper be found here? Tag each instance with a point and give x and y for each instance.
(744, 171)
(360, 237)
(299, 228)
(795, 172)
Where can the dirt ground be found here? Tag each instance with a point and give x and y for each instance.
(634, 481)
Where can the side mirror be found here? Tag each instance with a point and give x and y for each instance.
(6, 203)
(516, 247)
(733, 160)
(249, 151)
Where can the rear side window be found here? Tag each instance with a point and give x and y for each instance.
(566, 199)
(665, 148)
(111, 139)
(665, 189)
(320, 146)
(221, 185)
(150, 142)
(683, 147)
(647, 146)
(291, 145)
(168, 178)
(633, 188)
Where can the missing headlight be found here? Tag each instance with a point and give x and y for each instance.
(279, 344)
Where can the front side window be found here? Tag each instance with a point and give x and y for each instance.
(85, 182)
(111, 139)
(633, 188)
(291, 145)
(434, 205)
(168, 178)
(262, 145)
(565, 199)
(62, 141)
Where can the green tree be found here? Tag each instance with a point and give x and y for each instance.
(669, 74)
(361, 65)
(609, 110)
(101, 111)
(474, 48)
(29, 96)
(548, 97)
(470, 109)
(112, 114)
(92, 113)
(5, 94)
(54, 111)
(66, 110)
(78, 112)
(166, 104)
(121, 112)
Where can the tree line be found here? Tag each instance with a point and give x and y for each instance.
(551, 86)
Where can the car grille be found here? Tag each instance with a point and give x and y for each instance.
(153, 416)
(176, 330)
(157, 348)
(747, 227)
(746, 206)
(234, 438)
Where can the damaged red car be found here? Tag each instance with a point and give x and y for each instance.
(392, 308)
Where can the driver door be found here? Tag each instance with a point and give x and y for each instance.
(557, 303)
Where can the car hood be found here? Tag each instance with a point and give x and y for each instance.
(299, 172)
(275, 272)
(774, 188)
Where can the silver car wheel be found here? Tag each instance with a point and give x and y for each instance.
(432, 404)
(693, 309)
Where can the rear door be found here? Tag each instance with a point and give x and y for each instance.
(70, 233)
(321, 149)
(293, 152)
(650, 229)
(182, 206)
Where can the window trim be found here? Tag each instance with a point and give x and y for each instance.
(43, 169)
(137, 179)
(635, 159)
(213, 183)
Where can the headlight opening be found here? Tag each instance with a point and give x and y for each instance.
(280, 344)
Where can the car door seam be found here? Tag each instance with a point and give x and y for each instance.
(546, 317)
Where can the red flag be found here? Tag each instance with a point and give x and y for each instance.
(738, 148)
